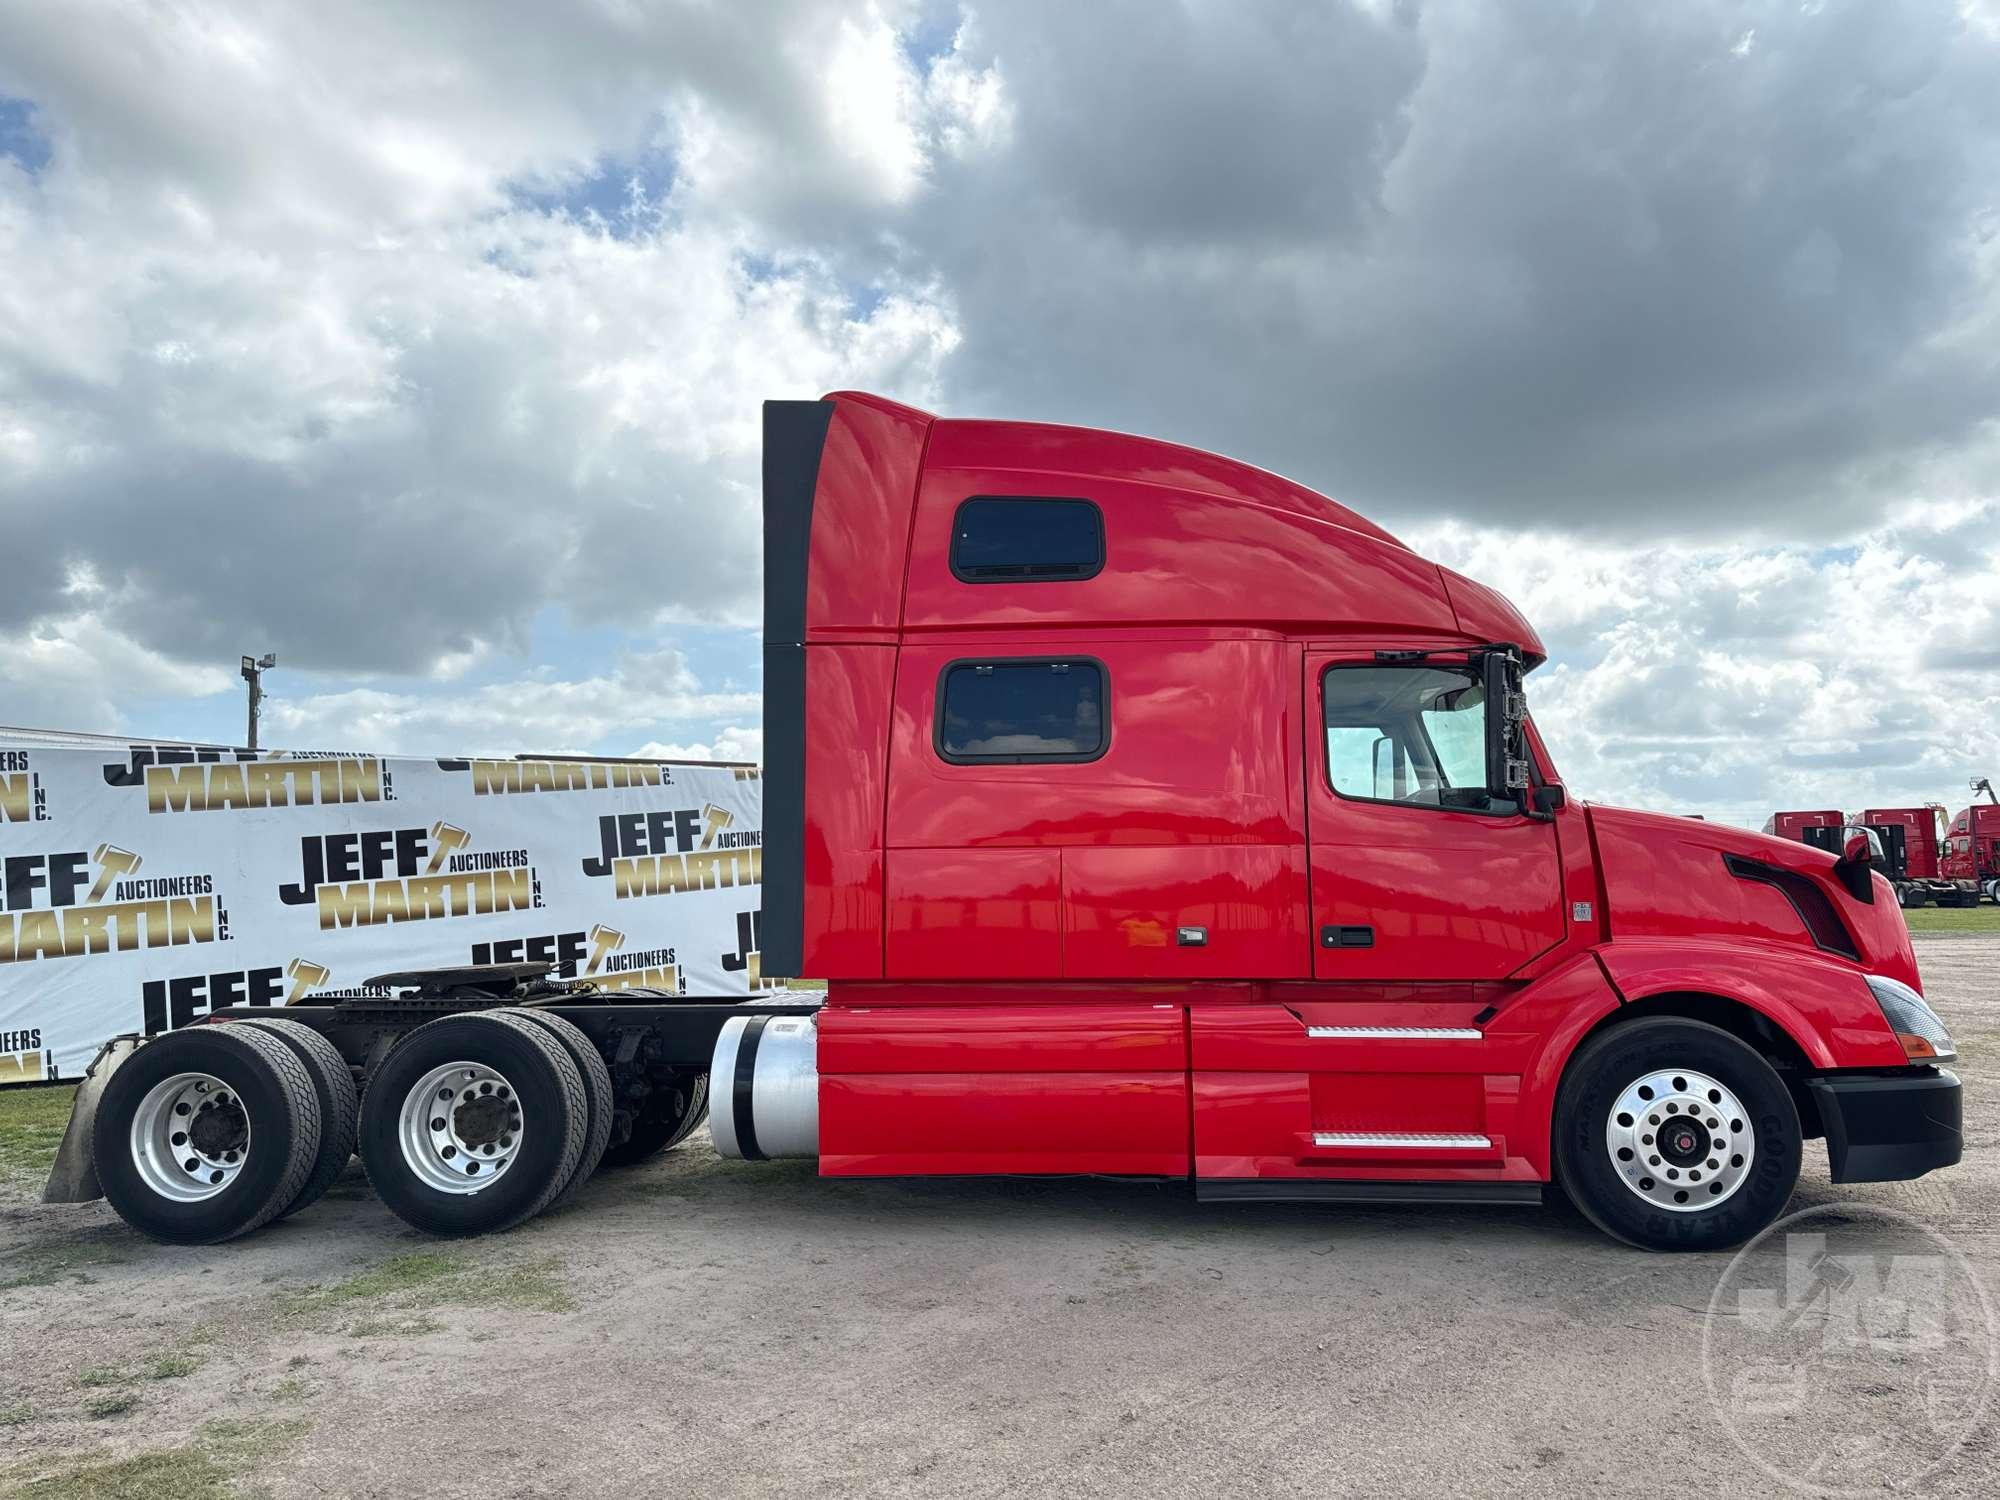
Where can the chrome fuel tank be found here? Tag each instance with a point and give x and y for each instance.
(763, 1088)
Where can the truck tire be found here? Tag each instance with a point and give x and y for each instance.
(1913, 896)
(597, 1088)
(473, 1124)
(206, 1134)
(339, 1105)
(1727, 1169)
(662, 1126)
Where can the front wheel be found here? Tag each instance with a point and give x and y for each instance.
(1674, 1135)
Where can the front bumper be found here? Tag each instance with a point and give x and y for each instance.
(1888, 1128)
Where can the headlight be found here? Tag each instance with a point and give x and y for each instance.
(1916, 1025)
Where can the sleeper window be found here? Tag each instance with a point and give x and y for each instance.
(1022, 539)
(1022, 711)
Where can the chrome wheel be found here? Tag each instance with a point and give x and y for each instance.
(460, 1127)
(189, 1137)
(1680, 1140)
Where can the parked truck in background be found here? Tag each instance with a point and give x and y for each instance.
(1146, 815)
(1913, 840)
(1971, 855)
(1820, 828)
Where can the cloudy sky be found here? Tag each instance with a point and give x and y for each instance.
(423, 343)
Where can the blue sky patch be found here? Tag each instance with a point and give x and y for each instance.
(20, 137)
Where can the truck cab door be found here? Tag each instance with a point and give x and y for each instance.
(1415, 875)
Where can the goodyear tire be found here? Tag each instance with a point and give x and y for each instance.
(1674, 1135)
(339, 1105)
(473, 1124)
(206, 1134)
(671, 1116)
(597, 1089)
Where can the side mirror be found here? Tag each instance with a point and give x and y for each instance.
(1506, 713)
(1858, 852)
(1549, 798)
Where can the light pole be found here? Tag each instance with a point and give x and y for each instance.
(253, 673)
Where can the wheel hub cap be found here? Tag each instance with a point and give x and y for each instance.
(1680, 1140)
(460, 1127)
(190, 1137)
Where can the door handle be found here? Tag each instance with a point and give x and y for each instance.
(1336, 936)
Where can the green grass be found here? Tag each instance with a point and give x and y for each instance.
(389, 1300)
(31, 1127)
(172, 1366)
(1953, 919)
(205, 1469)
(110, 1404)
(16, 1414)
(99, 1376)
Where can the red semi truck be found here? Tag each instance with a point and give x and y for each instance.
(1820, 828)
(1913, 853)
(1146, 815)
(1972, 845)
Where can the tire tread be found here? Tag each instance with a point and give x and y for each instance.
(335, 1084)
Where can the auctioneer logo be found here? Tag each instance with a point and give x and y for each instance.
(71, 903)
(747, 960)
(408, 875)
(596, 955)
(23, 798)
(169, 1004)
(22, 1059)
(492, 778)
(667, 852)
(208, 782)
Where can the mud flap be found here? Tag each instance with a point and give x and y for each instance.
(73, 1179)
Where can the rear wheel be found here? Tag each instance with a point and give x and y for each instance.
(596, 1086)
(1674, 1135)
(1914, 896)
(473, 1123)
(206, 1134)
(339, 1105)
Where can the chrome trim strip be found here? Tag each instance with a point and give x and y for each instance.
(1411, 1140)
(1414, 1033)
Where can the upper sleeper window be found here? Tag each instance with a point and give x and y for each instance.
(1022, 539)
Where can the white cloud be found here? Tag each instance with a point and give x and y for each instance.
(541, 713)
(1734, 682)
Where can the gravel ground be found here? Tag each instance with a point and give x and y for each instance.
(719, 1327)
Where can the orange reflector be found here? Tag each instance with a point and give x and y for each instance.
(1916, 1048)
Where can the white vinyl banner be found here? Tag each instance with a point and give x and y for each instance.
(142, 887)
